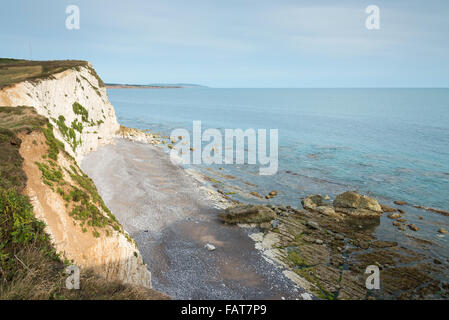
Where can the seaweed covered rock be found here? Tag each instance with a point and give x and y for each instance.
(355, 205)
(386, 208)
(247, 214)
(316, 203)
(313, 201)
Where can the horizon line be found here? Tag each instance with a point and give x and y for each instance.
(209, 87)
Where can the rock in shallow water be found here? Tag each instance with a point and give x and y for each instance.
(394, 216)
(355, 205)
(256, 194)
(317, 203)
(272, 194)
(313, 201)
(349, 203)
(247, 214)
(386, 208)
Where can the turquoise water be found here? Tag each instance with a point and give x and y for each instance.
(390, 143)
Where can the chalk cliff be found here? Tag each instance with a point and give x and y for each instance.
(78, 95)
(80, 115)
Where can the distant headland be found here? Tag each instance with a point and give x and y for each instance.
(153, 86)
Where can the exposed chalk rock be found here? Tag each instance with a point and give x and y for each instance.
(54, 97)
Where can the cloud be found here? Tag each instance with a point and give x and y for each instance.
(341, 30)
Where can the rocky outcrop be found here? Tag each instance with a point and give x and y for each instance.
(312, 202)
(247, 214)
(355, 205)
(386, 208)
(329, 258)
(136, 135)
(316, 203)
(348, 204)
(76, 104)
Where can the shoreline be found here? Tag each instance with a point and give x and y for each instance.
(173, 216)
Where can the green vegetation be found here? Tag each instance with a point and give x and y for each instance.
(309, 275)
(18, 229)
(10, 161)
(54, 145)
(296, 258)
(78, 126)
(14, 71)
(88, 208)
(50, 174)
(68, 133)
(20, 119)
(13, 120)
(88, 202)
(95, 88)
(78, 109)
(247, 214)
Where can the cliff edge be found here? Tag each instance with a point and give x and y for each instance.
(69, 93)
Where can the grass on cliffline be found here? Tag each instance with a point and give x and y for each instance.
(13, 71)
(30, 268)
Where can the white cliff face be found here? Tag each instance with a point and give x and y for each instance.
(55, 97)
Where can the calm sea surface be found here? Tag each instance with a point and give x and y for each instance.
(390, 143)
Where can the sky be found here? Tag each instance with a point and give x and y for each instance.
(239, 43)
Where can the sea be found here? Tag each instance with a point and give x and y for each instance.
(392, 144)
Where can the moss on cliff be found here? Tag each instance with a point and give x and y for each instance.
(78, 109)
(68, 133)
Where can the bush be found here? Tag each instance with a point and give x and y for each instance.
(80, 110)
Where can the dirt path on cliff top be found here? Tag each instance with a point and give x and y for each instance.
(171, 217)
